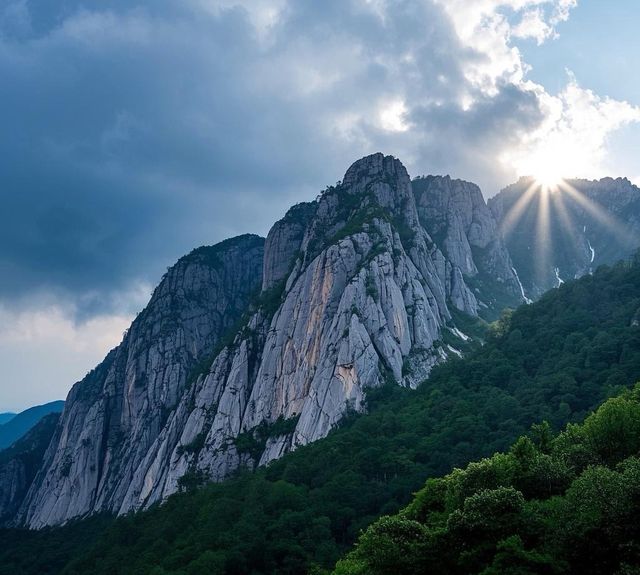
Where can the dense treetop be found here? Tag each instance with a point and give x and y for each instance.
(552, 504)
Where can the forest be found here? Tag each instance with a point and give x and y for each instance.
(565, 503)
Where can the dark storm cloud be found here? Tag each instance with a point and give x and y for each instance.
(133, 131)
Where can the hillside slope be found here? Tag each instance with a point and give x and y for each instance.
(554, 360)
(551, 504)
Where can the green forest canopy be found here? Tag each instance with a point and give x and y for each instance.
(552, 504)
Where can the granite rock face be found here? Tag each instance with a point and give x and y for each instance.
(114, 416)
(566, 232)
(456, 215)
(348, 292)
(361, 300)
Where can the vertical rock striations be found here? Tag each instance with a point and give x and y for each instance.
(455, 214)
(354, 294)
(114, 416)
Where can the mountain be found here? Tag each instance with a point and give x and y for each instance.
(20, 463)
(6, 417)
(555, 360)
(20, 424)
(456, 216)
(354, 291)
(109, 430)
(564, 503)
(568, 231)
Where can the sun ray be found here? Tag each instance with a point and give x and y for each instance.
(568, 224)
(614, 225)
(515, 213)
(543, 232)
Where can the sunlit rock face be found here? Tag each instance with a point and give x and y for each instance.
(355, 294)
(567, 231)
(251, 348)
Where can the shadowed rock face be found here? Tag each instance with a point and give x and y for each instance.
(114, 416)
(357, 288)
(455, 214)
(564, 234)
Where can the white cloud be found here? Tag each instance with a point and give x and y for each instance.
(488, 26)
(575, 125)
(533, 25)
(572, 140)
(393, 117)
(44, 351)
(49, 342)
(55, 325)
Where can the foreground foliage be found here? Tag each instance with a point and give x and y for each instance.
(555, 360)
(564, 504)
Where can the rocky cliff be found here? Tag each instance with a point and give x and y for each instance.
(249, 349)
(567, 231)
(113, 417)
(457, 217)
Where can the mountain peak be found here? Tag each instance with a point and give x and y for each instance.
(373, 167)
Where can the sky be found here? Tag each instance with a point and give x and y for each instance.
(134, 131)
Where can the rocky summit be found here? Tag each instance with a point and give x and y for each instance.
(251, 348)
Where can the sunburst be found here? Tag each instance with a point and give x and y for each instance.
(551, 192)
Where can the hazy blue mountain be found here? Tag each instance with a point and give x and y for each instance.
(21, 423)
(6, 417)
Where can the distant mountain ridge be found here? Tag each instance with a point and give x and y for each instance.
(6, 417)
(569, 231)
(21, 423)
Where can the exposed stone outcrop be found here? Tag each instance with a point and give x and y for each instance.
(364, 300)
(113, 417)
(283, 243)
(455, 214)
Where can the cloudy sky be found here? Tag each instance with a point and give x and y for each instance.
(133, 131)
